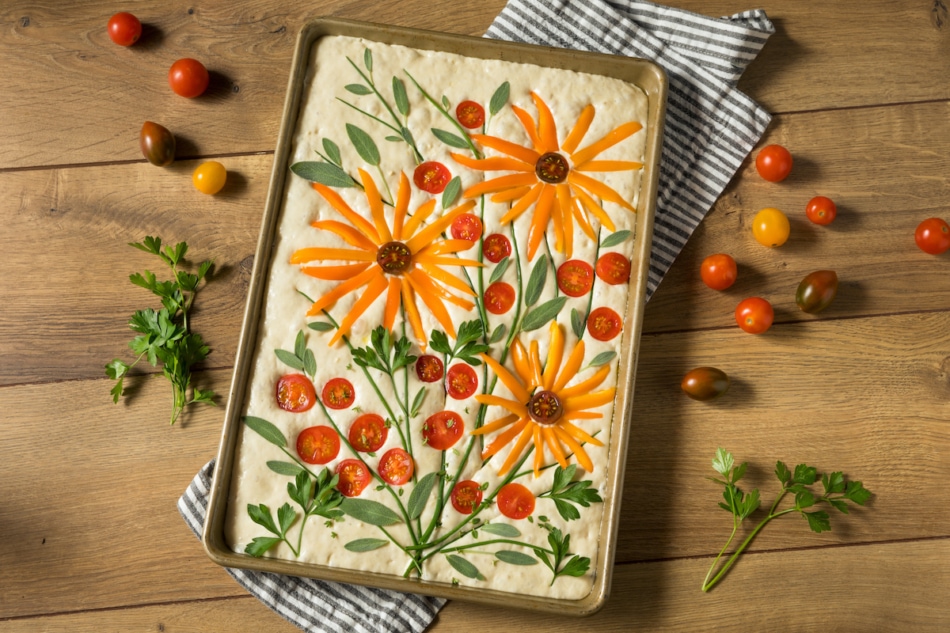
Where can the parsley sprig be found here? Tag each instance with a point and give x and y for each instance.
(384, 354)
(838, 491)
(560, 545)
(466, 348)
(566, 493)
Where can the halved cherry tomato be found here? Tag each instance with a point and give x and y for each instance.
(754, 315)
(933, 236)
(470, 114)
(817, 290)
(157, 144)
(395, 467)
(719, 271)
(295, 393)
(515, 501)
(461, 381)
(496, 247)
(318, 444)
(188, 77)
(338, 393)
(613, 268)
(770, 227)
(124, 29)
(354, 477)
(467, 226)
(705, 383)
(774, 163)
(443, 429)
(575, 277)
(466, 496)
(431, 177)
(499, 297)
(368, 433)
(604, 324)
(429, 368)
(209, 177)
(821, 210)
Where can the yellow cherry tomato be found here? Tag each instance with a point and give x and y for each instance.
(209, 177)
(770, 227)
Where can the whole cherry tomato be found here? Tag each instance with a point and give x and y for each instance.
(443, 429)
(499, 297)
(575, 278)
(209, 177)
(515, 501)
(470, 114)
(496, 247)
(719, 271)
(318, 444)
(461, 381)
(821, 210)
(188, 77)
(124, 29)
(613, 268)
(817, 290)
(431, 177)
(338, 393)
(468, 227)
(429, 368)
(774, 163)
(295, 393)
(604, 323)
(705, 383)
(157, 143)
(466, 496)
(754, 315)
(396, 467)
(354, 477)
(933, 236)
(770, 227)
(368, 433)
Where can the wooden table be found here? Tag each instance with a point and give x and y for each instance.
(90, 538)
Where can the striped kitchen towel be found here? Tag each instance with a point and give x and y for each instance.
(710, 128)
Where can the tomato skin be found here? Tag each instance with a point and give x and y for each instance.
(443, 429)
(468, 227)
(774, 163)
(575, 278)
(470, 114)
(770, 227)
(124, 29)
(429, 368)
(754, 315)
(499, 297)
(515, 501)
(817, 290)
(466, 496)
(354, 477)
(188, 78)
(496, 247)
(395, 467)
(318, 445)
(821, 210)
(157, 143)
(613, 269)
(295, 393)
(933, 236)
(604, 324)
(461, 381)
(719, 271)
(338, 393)
(431, 177)
(209, 177)
(705, 383)
(368, 433)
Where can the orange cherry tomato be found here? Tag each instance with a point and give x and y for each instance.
(443, 429)
(209, 177)
(821, 210)
(188, 78)
(368, 433)
(429, 368)
(754, 315)
(613, 268)
(295, 393)
(318, 444)
(470, 114)
(774, 163)
(575, 278)
(515, 501)
(466, 496)
(499, 297)
(395, 467)
(770, 227)
(431, 177)
(468, 227)
(933, 236)
(461, 381)
(604, 324)
(124, 29)
(496, 247)
(354, 477)
(338, 393)
(719, 271)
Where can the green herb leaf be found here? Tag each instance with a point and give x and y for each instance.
(857, 493)
(499, 271)
(324, 173)
(578, 321)
(365, 544)
(259, 546)
(536, 281)
(261, 515)
(266, 430)
(439, 342)
(417, 402)
(420, 495)
(116, 369)
(782, 472)
(603, 358)
(833, 483)
(320, 326)
(723, 462)
(504, 530)
(576, 567)
(359, 89)
(543, 314)
(515, 558)
(805, 474)
(369, 511)
(368, 59)
(498, 334)
(332, 151)
(818, 521)
(452, 192)
(285, 468)
(286, 516)
(464, 567)
(499, 98)
(364, 144)
(450, 139)
(615, 238)
(400, 96)
(290, 359)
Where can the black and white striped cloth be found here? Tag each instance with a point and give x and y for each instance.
(710, 128)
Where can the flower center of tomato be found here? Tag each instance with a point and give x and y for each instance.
(394, 257)
(545, 408)
(552, 168)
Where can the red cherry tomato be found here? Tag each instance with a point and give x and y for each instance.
(431, 177)
(515, 501)
(575, 278)
(466, 496)
(124, 29)
(429, 368)
(461, 381)
(443, 429)
(368, 433)
(295, 393)
(496, 247)
(933, 236)
(467, 226)
(774, 163)
(821, 210)
(395, 467)
(604, 324)
(157, 144)
(499, 297)
(188, 77)
(338, 393)
(470, 114)
(318, 444)
(719, 271)
(354, 477)
(613, 268)
(754, 315)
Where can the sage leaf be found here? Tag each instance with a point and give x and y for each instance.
(499, 98)
(364, 144)
(445, 102)
(450, 139)
(290, 359)
(420, 495)
(324, 173)
(536, 281)
(464, 567)
(320, 326)
(300, 345)
(615, 238)
(266, 430)
(400, 96)
(505, 530)
(365, 544)
(332, 151)
(358, 89)
(515, 558)
(285, 468)
(543, 314)
(368, 59)
(498, 334)
(368, 511)
(499, 271)
(603, 358)
(577, 323)
(452, 192)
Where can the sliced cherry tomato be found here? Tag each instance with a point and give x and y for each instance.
(817, 290)
(368, 433)
(604, 324)
(338, 393)
(470, 114)
(705, 383)
(754, 315)
(515, 501)
(443, 429)
(157, 143)
(774, 163)
(209, 177)
(575, 278)
(188, 78)
(466, 496)
(933, 236)
(461, 381)
(431, 177)
(499, 297)
(318, 444)
(719, 271)
(467, 226)
(395, 467)
(295, 393)
(770, 227)
(429, 368)
(496, 247)
(354, 477)
(821, 210)
(613, 268)
(124, 29)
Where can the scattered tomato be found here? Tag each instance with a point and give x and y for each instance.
(470, 114)
(431, 177)
(770, 227)
(604, 324)
(575, 278)
(318, 444)
(933, 236)
(754, 315)
(705, 383)
(124, 29)
(466, 496)
(395, 467)
(295, 393)
(496, 247)
(443, 429)
(157, 143)
(188, 77)
(354, 477)
(368, 433)
(499, 297)
(774, 163)
(338, 393)
(817, 290)
(719, 271)
(515, 501)
(429, 368)
(468, 227)
(821, 210)
(613, 268)
(209, 177)
(461, 381)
